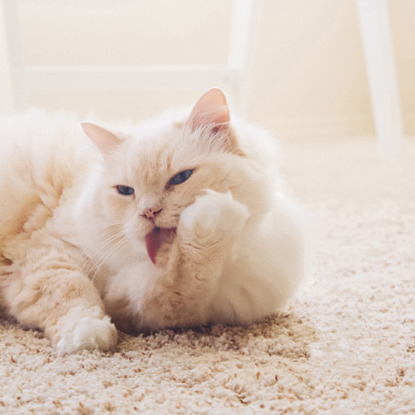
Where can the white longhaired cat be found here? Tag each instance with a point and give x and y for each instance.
(179, 222)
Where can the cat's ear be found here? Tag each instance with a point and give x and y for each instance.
(102, 138)
(210, 110)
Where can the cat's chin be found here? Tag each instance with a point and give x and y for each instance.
(156, 238)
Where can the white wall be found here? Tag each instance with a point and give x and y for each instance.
(307, 77)
(131, 32)
(309, 74)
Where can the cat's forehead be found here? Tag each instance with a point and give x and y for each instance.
(154, 151)
(149, 142)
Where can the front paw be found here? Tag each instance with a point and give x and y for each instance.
(214, 213)
(87, 334)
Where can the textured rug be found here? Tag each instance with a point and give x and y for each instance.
(344, 345)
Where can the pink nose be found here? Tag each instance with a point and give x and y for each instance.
(151, 213)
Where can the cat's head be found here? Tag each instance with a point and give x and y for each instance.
(154, 171)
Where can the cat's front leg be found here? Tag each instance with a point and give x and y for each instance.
(206, 235)
(50, 291)
(178, 291)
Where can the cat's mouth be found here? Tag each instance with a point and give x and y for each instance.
(156, 238)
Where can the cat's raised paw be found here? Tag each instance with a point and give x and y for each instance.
(88, 334)
(215, 212)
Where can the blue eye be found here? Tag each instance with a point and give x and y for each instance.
(180, 177)
(125, 190)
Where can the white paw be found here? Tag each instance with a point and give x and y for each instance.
(215, 212)
(89, 333)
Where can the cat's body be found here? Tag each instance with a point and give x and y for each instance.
(179, 222)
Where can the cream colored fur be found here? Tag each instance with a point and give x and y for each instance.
(72, 249)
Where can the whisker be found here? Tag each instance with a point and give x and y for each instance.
(107, 258)
(105, 239)
(93, 226)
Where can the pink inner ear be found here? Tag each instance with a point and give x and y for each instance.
(102, 138)
(211, 108)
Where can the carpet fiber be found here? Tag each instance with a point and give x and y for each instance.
(344, 345)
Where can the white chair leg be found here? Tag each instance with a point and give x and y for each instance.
(244, 28)
(12, 76)
(380, 66)
(6, 95)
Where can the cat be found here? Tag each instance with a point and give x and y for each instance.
(177, 222)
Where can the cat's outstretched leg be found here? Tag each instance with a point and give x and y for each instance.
(49, 291)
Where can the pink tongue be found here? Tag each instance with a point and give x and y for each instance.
(153, 243)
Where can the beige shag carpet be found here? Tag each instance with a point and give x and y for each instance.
(345, 345)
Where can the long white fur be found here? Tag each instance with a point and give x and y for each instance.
(72, 250)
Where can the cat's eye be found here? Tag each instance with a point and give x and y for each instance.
(125, 190)
(180, 177)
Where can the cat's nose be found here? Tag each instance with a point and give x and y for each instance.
(151, 213)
